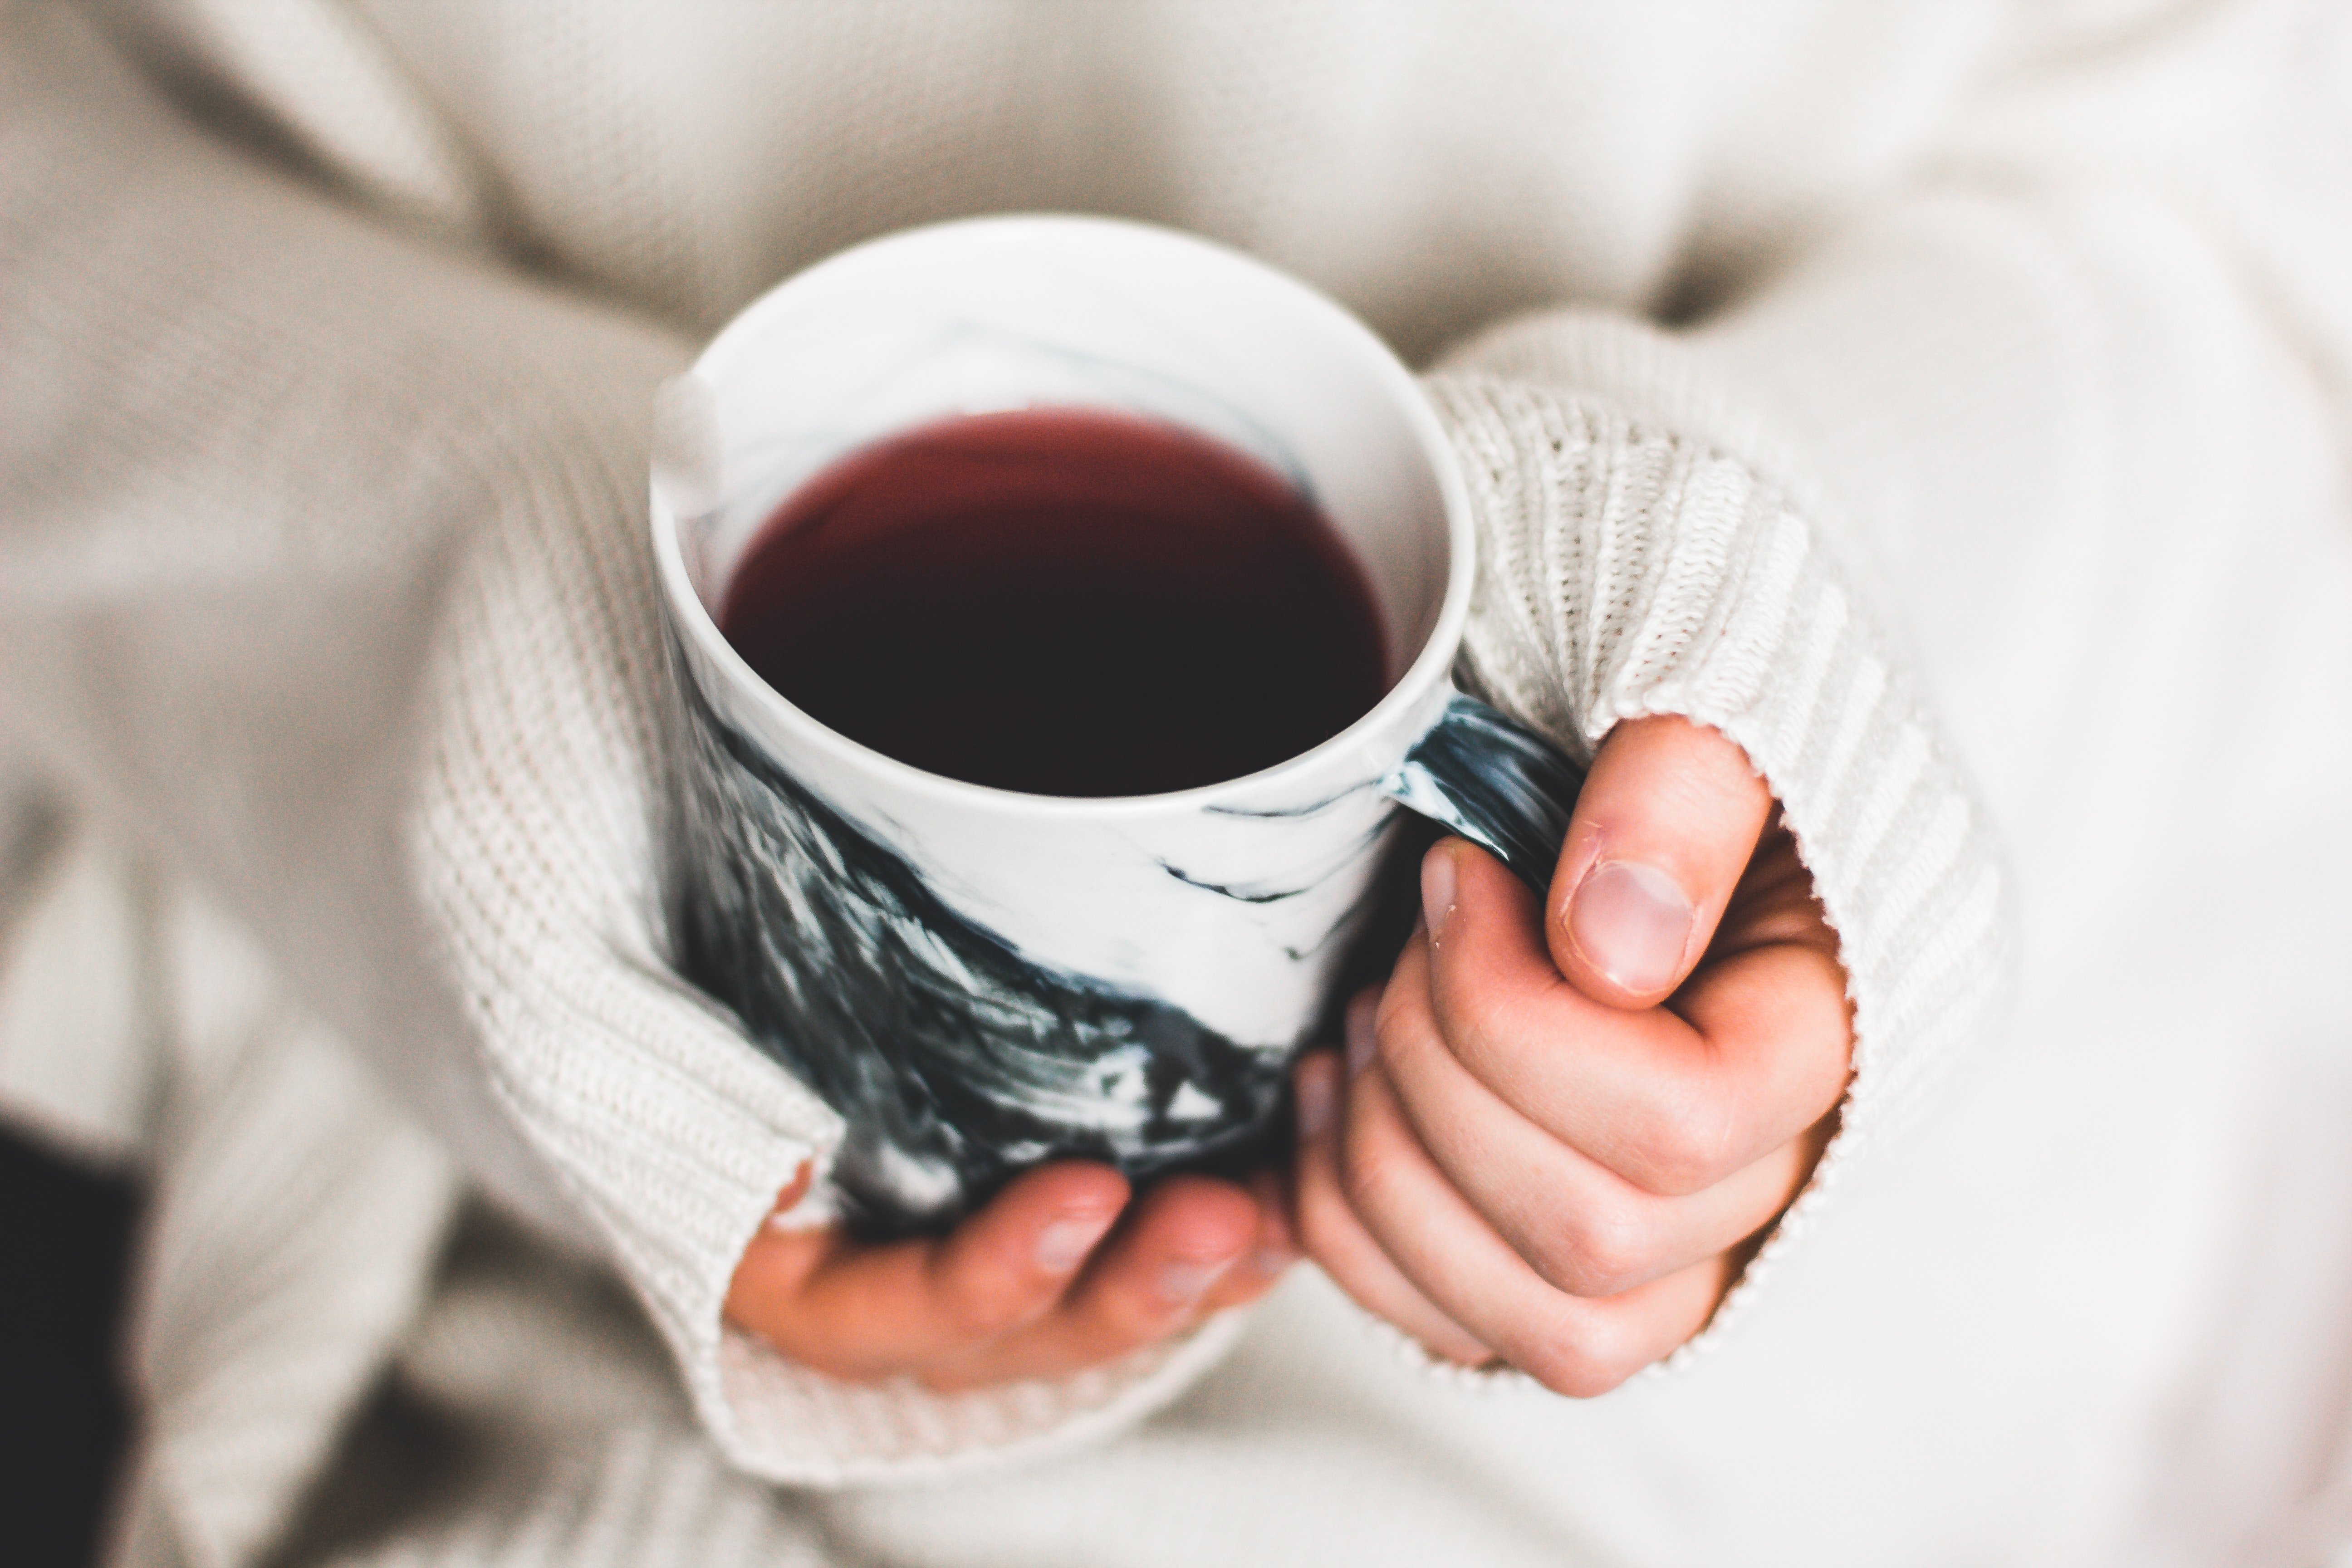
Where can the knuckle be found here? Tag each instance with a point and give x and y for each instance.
(1576, 1366)
(1130, 1306)
(1124, 1320)
(1603, 1250)
(977, 1303)
(1483, 1022)
(1365, 1174)
(1687, 1146)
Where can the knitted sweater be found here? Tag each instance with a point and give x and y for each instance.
(2000, 429)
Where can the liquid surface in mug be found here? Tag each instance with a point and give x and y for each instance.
(1062, 601)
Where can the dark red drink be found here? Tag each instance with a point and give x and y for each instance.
(1061, 601)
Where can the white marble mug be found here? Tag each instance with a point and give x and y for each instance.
(978, 979)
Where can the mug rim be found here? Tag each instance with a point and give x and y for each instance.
(1429, 669)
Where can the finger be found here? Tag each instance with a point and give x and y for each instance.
(1270, 1256)
(1673, 1104)
(1446, 1250)
(775, 1262)
(1337, 1240)
(1155, 1277)
(1581, 1227)
(1665, 825)
(858, 1311)
(1121, 1307)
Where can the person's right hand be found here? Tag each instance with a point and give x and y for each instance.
(1559, 1132)
(1058, 1273)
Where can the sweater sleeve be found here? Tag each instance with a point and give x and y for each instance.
(1629, 569)
(323, 567)
(2003, 469)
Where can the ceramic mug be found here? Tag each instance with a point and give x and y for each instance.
(978, 980)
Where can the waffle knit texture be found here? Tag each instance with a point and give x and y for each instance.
(331, 335)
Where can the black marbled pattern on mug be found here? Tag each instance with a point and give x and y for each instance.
(1495, 782)
(955, 1059)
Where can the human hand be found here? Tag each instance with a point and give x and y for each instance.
(1555, 1135)
(1058, 1273)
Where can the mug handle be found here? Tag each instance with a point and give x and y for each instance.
(1494, 781)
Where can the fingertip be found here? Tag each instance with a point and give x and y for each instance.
(793, 1192)
(1202, 1218)
(1087, 1183)
(1478, 918)
(1011, 1261)
(1066, 1240)
(1076, 1203)
(781, 1253)
(1489, 959)
(772, 1269)
(1176, 1257)
(1050, 1219)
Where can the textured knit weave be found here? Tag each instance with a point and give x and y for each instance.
(2009, 413)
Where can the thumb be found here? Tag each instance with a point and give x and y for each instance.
(1667, 824)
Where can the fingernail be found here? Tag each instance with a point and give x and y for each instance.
(1630, 922)
(1436, 891)
(1064, 1245)
(1183, 1283)
(1314, 1091)
(1363, 1034)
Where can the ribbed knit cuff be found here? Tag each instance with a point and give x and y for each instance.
(791, 1425)
(1629, 569)
(534, 846)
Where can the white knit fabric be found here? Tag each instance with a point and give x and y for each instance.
(76, 910)
(1628, 571)
(2006, 425)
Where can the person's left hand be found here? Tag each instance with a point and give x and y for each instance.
(1556, 1133)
